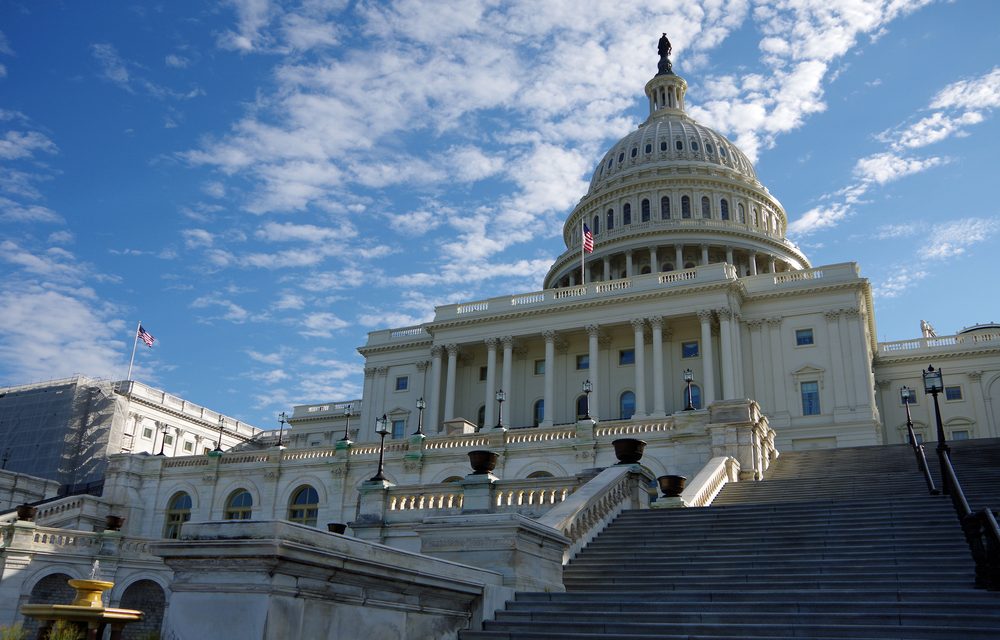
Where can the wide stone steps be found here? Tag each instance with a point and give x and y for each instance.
(831, 545)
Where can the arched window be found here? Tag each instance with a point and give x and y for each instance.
(540, 474)
(743, 213)
(611, 220)
(667, 266)
(679, 145)
(481, 417)
(539, 412)
(708, 147)
(706, 207)
(239, 506)
(453, 479)
(645, 210)
(724, 209)
(627, 214)
(645, 269)
(663, 145)
(753, 218)
(685, 207)
(635, 151)
(597, 225)
(689, 265)
(581, 406)
(178, 512)
(694, 145)
(695, 396)
(626, 405)
(304, 506)
(649, 147)
(621, 157)
(665, 207)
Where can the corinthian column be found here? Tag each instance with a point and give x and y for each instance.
(726, 337)
(433, 408)
(449, 389)
(638, 326)
(659, 408)
(708, 370)
(508, 355)
(550, 364)
(593, 368)
(491, 381)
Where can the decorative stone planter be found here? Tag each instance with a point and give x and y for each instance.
(336, 527)
(26, 512)
(671, 486)
(114, 523)
(482, 461)
(628, 450)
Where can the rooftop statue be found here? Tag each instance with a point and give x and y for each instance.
(663, 48)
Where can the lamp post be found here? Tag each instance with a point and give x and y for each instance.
(163, 441)
(501, 396)
(383, 431)
(347, 429)
(421, 405)
(217, 451)
(688, 378)
(934, 384)
(588, 387)
(905, 395)
(281, 429)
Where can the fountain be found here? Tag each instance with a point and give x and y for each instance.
(87, 613)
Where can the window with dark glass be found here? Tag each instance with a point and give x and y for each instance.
(665, 207)
(303, 508)
(626, 405)
(539, 412)
(621, 157)
(953, 393)
(626, 357)
(689, 349)
(909, 396)
(398, 428)
(695, 395)
(724, 209)
(635, 151)
(679, 145)
(685, 207)
(611, 220)
(583, 361)
(706, 207)
(178, 512)
(482, 374)
(708, 147)
(627, 214)
(239, 506)
(803, 337)
(810, 398)
(649, 148)
(960, 434)
(694, 145)
(481, 417)
(539, 367)
(663, 145)
(597, 224)
(402, 383)
(581, 406)
(645, 210)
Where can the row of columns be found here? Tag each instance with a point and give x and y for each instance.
(731, 361)
(752, 270)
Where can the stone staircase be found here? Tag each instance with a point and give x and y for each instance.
(842, 543)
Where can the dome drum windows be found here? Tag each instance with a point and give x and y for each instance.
(649, 147)
(627, 214)
(685, 207)
(635, 151)
(597, 224)
(665, 208)
(663, 145)
(645, 210)
(621, 157)
(694, 145)
(610, 220)
(724, 209)
(679, 145)
(706, 207)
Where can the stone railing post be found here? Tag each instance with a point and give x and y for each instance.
(371, 512)
(478, 493)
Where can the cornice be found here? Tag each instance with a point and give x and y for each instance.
(367, 350)
(922, 355)
(211, 426)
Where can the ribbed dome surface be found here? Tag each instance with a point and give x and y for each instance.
(667, 137)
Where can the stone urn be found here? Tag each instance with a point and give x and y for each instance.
(89, 592)
(671, 486)
(114, 523)
(483, 462)
(628, 450)
(26, 512)
(336, 527)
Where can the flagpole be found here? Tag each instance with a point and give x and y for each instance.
(583, 257)
(135, 343)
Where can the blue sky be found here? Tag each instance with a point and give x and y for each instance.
(262, 183)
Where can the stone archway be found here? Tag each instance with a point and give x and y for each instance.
(52, 589)
(146, 596)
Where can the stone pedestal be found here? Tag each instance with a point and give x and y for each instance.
(478, 490)
(458, 426)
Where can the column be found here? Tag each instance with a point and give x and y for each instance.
(508, 355)
(704, 254)
(593, 372)
(659, 407)
(770, 264)
(678, 256)
(433, 407)
(707, 366)
(550, 365)
(491, 382)
(449, 389)
(752, 263)
(837, 381)
(628, 264)
(780, 380)
(738, 386)
(572, 278)
(607, 268)
(729, 256)
(368, 404)
(851, 371)
(638, 327)
(654, 263)
(726, 339)
(763, 391)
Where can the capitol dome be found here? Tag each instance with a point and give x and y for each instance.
(671, 195)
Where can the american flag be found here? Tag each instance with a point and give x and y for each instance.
(588, 239)
(146, 337)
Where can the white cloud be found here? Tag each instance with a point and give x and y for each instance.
(982, 92)
(898, 283)
(176, 61)
(321, 325)
(289, 301)
(230, 310)
(951, 239)
(194, 238)
(11, 211)
(112, 65)
(252, 16)
(890, 231)
(818, 218)
(24, 144)
(882, 168)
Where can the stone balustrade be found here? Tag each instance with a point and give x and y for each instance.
(34, 539)
(935, 345)
(719, 472)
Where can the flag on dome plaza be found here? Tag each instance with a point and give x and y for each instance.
(588, 239)
(146, 337)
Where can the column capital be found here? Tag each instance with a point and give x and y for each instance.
(705, 315)
(381, 371)
(452, 349)
(507, 341)
(549, 335)
(774, 322)
(491, 343)
(724, 314)
(883, 384)
(832, 314)
(593, 330)
(437, 351)
(755, 323)
(851, 311)
(369, 372)
(422, 365)
(655, 322)
(638, 324)
(975, 375)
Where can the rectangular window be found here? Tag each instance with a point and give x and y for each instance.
(539, 367)
(482, 374)
(689, 349)
(168, 439)
(803, 337)
(908, 397)
(398, 429)
(953, 393)
(960, 435)
(583, 361)
(402, 383)
(810, 398)
(189, 446)
(626, 357)
(206, 450)
(147, 433)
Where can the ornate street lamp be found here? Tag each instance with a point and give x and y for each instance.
(934, 384)
(906, 397)
(421, 405)
(501, 396)
(347, 429)
(281, 429)
(688, 378)
(163, 430)
(382, 430)
(588, 387)
(218, 446)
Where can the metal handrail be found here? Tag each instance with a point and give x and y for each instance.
(980, 527)
(918, 452)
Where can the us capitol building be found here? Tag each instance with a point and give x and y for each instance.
(694, 325)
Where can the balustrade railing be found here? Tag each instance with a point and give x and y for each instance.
(710, 480)
(980, 528)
